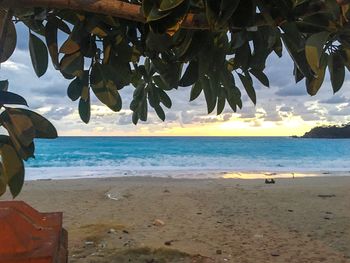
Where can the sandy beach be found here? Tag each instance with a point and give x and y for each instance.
(208, 220)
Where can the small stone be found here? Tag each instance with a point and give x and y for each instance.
(275, 254)
(112, 231)
(125, 231)
(327, 218)
(89, 243)
(158, 222)
(218, 251)
(166, 191)
(168, 243)
(290, 210)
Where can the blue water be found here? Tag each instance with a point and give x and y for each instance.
(99, 156)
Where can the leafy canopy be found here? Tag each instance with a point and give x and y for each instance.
(216, 47)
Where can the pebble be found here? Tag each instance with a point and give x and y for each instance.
(168, 243)
(158, 222)
(112, 231)
(89, 243)
(218, 251)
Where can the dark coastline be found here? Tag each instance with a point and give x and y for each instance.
(328, 132)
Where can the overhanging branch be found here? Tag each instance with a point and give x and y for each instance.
(114, 8)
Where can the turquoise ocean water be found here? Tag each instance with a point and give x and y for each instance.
(75, 157)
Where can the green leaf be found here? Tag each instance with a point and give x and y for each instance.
(160, 112)
(208, 94)
(169, 71)
(12, 168)
(155, 14)
(3, 183)
(248, 85)
(11, 98)
(8, 38)
(314, 49)
(60, 24)
(336, 71)
(4, 85)
(38, 55)
(69, 47)
(72, 64)
(278, 47)
(242, 56)
(51, 42)
(227, 8)
(95, 26)
(314, 84)
(261, 77)
(43, 128)
(153, 95)
(75, 89)
(85, 109)
(221, 104)
(196, 90)
(165, 99)
(191, 75)
(19, 126)
(298, 56)
(143, 109)
(238, 39)
(104, 88)
(298, 76)
(166, 5)
(135, 117)
(27, 125)
(160, 83)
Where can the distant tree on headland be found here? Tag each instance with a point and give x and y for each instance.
(329, 132)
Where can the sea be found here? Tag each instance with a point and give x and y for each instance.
(187, 157)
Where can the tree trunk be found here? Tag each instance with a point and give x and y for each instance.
(114, 8)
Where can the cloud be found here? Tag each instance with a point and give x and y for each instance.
(291, 91)
(286, 109)
(57, 113)
(336, 99)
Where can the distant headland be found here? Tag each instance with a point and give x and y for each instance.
(328, 132)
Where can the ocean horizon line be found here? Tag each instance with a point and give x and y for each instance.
(173, 136)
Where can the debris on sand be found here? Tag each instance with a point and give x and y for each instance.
(326, 196)
(158, 222)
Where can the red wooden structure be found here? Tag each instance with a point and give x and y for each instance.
(27, 236)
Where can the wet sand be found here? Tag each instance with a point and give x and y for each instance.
(208, 220)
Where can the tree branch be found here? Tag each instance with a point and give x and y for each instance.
(114, 8)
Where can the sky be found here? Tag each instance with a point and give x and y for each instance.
(284, 109)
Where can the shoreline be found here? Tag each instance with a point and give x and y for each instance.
(66, 173)
(222, 220)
